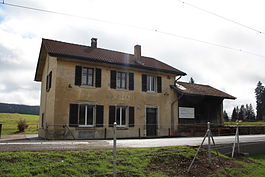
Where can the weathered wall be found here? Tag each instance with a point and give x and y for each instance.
(66, 92)
(47, 101)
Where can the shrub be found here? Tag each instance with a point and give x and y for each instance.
(22, 125)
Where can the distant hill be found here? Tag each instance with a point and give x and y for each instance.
(17, 108)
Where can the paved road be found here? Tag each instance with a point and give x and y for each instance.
(32, 143)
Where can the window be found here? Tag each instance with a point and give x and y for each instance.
(122, 80)
(86, 115)
(49, 81)
(121, 115)
(151, 83)
(87, 76)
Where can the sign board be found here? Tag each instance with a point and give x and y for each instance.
(186, 113)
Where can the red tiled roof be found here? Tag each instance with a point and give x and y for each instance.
(198, 89)
(63, 49)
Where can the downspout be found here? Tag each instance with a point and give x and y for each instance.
(172, 109)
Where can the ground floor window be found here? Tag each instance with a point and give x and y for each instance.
(121, 116)
(86, 115)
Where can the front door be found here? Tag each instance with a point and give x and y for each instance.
(151, 121)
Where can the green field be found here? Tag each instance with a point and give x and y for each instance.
(245, 123)
(155, 162)
(9, 123)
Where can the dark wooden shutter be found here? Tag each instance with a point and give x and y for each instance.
(113, 79)
(159, 84)
(131, 116)
(73, 115)
(78, 75)
(131, 81)
(111, 115)
(99, 115)
(98, 77)
(144, 82)
(50, 80)
(47, 81)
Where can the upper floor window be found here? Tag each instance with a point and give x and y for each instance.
(122, 80)
(87, 76)
(151, 83)
(49, 81)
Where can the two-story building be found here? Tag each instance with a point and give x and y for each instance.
(85, 89)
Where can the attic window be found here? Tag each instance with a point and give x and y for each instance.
(180, 87)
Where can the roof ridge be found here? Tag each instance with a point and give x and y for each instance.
(195, 84)
(110, 50)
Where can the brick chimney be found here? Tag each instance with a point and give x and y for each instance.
(94, 42)
(137, 52)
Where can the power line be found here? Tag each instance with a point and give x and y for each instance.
(138, 27)
(222, 17)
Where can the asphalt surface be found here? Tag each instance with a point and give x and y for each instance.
(33, 143)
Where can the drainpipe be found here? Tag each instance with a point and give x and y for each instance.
(172, 109)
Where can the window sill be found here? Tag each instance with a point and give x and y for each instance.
(122, 128)
(87, 86)
(86, 126)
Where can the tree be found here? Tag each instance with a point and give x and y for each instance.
(242, 113)
(260, 100)
(250, 115)
(191, 80)
(226, 119)
(234, 116)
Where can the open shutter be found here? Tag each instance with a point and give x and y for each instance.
(98, 77)
(159, 84)
(99, 115)
(113, 79)
(131, 116)
(144, 82)
(73, 115)
(78, 75)
(131, 81)
(111, 115)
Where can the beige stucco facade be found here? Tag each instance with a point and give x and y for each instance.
(54, 107)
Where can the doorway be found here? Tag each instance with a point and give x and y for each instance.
(151, 121)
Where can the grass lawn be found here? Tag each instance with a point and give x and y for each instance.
(155, 162)
(9, 122)
(245, 123)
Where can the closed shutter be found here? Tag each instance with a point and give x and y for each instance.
(73, 115)
(131, 81)
(131, 116)
(113, 79)
(111, 115)
(78, 75)
(50, 80)
(47, 81)
(159, 84)
(98, 77)
(144, 82)
(99, 115)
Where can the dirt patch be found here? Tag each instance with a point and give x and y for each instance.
(177, 164)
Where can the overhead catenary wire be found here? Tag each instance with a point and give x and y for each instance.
(138, 27)
(221, 17)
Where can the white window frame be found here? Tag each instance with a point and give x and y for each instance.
(120, 116)
(87, 76)
(94, 115)
(119, 80)
(149, 79)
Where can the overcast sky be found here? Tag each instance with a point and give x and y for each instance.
(119, 25)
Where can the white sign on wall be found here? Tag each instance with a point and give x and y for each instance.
(186, 113)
